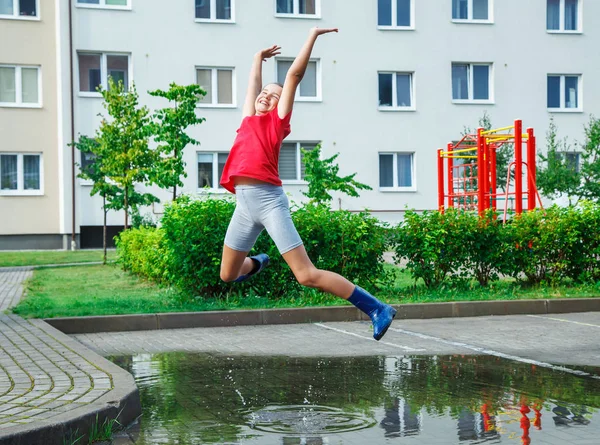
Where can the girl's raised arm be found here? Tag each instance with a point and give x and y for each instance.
(255, 80)
(297, 70)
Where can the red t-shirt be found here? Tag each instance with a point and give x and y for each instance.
(255, 151)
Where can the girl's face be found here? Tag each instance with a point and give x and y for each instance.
(268, 99)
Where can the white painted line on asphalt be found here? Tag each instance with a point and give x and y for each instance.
(496, 353)
(565, 321)
(393, 345)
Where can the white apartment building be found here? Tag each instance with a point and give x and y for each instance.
(401, 79)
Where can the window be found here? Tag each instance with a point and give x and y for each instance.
(20, 86)
(298, 8)
(96, 68)
(395, 14)
(396, 91)
(573, 161)
(22, 9)
(214, 10)
(471, 10)
(20, 174)
(219, 86)
(396, 171)
(87, 161)
(563, 92)
(563, 15)
(471, 82)
(310, 86)
(210, 169)
(112, 4)
(291, 160)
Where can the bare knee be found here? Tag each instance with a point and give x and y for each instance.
(228, 275)
(309, 277)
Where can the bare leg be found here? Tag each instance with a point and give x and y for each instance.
(308, 275)
(234, 263)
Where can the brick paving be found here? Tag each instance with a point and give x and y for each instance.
(43, 373)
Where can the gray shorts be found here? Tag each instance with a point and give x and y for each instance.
(258, 207)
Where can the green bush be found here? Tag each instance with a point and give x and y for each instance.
(434, 244)
(194, 232)
(350, 244)
(556, 243)
(144, 252)
(486, 253)
(584, 257)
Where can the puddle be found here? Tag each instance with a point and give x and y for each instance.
(204, 398)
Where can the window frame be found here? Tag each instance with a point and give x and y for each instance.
(561, 19)
(471, 20)
(471, 101)
(395, 187)
(20, 191)
(16, 16)
(318, 80)
(213, 14)
(102, 5)
(215, 172)
(103, 71)
(215, 83)
(562, 108)
(413, 104)
(394, 12)
(299, 145)
(19, 88)
(297, 15)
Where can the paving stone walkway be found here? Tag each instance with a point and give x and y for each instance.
(44, 374)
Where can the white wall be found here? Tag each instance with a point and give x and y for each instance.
(166, 44)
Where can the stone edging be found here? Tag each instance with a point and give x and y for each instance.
(180, 320)
(122, 402)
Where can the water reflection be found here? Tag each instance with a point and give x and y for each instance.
(203, 398)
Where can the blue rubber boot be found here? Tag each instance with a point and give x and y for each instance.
(262, 259)
(381, 314)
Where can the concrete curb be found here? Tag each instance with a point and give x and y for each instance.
(181, 320)
(122, 403)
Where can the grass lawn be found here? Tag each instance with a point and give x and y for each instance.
(41, 257)
(107, 290)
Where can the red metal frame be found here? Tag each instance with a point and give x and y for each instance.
(457, 185)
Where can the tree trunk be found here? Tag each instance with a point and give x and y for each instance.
(104, 229)
(174, 193)
(126, 208)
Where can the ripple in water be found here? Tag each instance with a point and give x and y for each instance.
(307, 419)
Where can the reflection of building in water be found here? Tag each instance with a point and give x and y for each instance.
(565, 417)
(473, 426)
(399, 419)
(304, 441)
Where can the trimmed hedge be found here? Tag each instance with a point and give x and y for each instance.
(549, 245)
(190, 242)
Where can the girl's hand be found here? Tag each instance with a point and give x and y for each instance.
(269, 52)
(320, 31)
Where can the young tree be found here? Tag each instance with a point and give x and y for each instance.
(558, 175)
(322, 177)
(126, 158)
(590, 166)
(93, 172)
(168, 130)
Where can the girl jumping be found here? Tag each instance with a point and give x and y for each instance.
(252, 174)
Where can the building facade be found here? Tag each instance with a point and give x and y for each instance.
(401, 79)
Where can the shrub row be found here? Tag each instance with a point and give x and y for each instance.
(559, 243)
(186, 250)
(543, 245)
